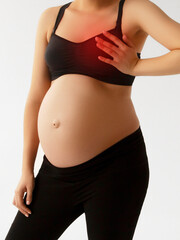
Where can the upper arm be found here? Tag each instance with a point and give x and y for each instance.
(40, 81)
(156, 23)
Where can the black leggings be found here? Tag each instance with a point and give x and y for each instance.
(109, 188)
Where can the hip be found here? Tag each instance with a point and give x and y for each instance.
(73, 143)
(126, 156)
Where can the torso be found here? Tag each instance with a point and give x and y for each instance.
(80, 116)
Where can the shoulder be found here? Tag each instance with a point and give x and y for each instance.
(134, 7)
(155, 22)
(47, 19)
(50, 14)
(142, 12)
(137, 3)
(140, 8)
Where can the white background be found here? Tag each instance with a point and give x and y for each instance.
(156, 100)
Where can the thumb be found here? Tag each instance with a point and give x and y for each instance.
(29, 196)
(128, 41)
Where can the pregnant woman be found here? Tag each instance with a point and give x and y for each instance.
(79, 108)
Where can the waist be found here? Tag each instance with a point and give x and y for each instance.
(89, 85)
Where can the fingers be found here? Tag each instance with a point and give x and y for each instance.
(110, 51)
(14, 202)
(115, 39)
(19, 203)
(105, 43)
(29, 196)
(127, 40)
(106, 60)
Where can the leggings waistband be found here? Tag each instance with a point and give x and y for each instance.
(125, 145)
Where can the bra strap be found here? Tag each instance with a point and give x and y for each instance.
(118, 21)
(60, 14)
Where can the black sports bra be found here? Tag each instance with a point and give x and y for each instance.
(63, 56)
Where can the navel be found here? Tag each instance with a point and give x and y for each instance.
(55, 123)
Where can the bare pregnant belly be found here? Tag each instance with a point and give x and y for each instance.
(80, 117)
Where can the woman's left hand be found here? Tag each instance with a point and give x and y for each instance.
(124, 55)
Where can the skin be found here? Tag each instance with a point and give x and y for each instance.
(78, 116)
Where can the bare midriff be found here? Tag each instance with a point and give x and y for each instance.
(80, 117)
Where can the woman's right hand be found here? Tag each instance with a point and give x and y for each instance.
(26, 184)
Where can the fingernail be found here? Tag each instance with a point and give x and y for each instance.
(27, 202)
(26, 215)
(29, 212)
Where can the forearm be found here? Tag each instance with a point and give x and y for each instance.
(167, 64)
(31, 139)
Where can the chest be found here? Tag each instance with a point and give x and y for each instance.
(80, 27)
